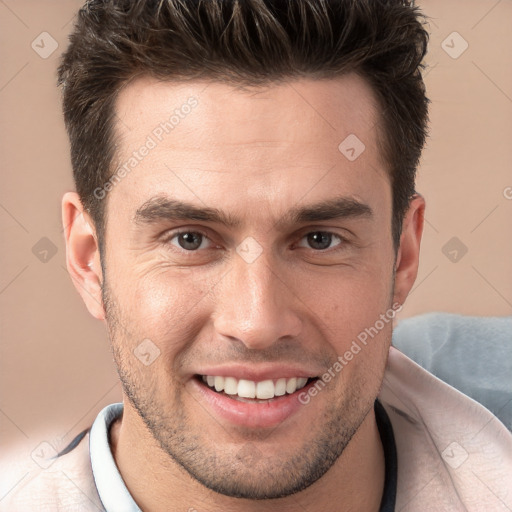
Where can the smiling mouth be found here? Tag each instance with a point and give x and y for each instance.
(243, 390)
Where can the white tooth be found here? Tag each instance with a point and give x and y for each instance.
(230, 386)
(280, 387)
(246, 388)
(301, 382)
(210, 380)
(265, 389)
(219, 383)
(291, 385)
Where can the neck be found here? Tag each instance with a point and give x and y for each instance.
(354, 482)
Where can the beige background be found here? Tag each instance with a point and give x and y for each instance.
(56, 371)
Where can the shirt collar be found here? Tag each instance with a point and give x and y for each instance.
(116, 498)
(111, 488)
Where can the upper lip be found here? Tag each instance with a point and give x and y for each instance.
(258, 373)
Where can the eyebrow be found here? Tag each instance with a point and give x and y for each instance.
(163, 208)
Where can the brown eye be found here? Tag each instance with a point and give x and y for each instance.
(321, 240)
(188, 240)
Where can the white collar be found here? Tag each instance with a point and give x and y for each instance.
(111, 488)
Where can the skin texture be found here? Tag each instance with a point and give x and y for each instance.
(254, 154)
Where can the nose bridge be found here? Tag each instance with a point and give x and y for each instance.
(255, 306)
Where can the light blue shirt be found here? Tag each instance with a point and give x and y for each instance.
(111, 488)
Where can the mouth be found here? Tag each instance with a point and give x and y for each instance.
(254, 392)
(252, 404)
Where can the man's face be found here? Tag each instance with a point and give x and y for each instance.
(270, 295)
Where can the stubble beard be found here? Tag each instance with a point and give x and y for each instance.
(238, 470)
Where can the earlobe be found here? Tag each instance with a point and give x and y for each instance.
(407, 261)
(82, 253)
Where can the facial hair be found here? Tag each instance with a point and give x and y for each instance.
(238, 470)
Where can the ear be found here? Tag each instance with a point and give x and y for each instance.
(407, 260)
(82, 253)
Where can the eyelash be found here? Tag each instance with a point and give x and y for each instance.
(174, 234)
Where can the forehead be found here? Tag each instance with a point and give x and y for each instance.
(208, 139)
(343, 104)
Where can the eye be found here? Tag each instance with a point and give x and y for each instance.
(321, 240)
(192, 241)
(188, 240)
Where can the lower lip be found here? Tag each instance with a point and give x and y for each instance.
(252, 415)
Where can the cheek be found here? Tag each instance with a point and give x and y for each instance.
(351, 298)
(356, 320)
(165, 306)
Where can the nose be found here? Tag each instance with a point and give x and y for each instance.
(256, 306)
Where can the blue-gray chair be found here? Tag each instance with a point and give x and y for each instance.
(472, 354)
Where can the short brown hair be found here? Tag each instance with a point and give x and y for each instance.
(244, 42)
